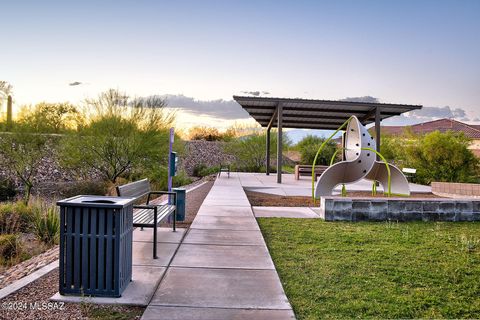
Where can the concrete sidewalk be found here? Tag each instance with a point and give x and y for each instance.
(222, 269)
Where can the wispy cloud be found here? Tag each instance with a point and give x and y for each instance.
(223, 109)
(256, 93)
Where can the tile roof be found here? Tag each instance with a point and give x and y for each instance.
(442, 125)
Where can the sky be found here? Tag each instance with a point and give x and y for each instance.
(414, 52)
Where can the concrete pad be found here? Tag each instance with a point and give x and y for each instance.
(215, 256)
(221, 288)
(138, 293)
(284, 212)
(226, 202)
(142, 254)
(223, 237)
(225, 211)
(163, 235)
(274, 191)
(182, 313)
(225, 223)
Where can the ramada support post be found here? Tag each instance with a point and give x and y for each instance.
(267, 161)
(267, 151)
(279, 142)
(377, 129)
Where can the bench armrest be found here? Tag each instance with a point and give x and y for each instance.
(172, 193)
(144, 207)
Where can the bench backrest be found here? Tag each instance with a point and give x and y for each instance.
(135, 189)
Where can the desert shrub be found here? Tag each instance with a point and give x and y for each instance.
(8, 191)
(99, 188)
(46, 223)
(181, 179)
(10, 247)
(249, 151)
(442, 157)
(309, 146)
(202, 170)
(208, 134)
(15, 217)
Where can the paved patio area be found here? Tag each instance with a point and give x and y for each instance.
(222, 269)
(260, 182)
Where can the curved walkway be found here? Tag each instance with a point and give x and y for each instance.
(222, 269)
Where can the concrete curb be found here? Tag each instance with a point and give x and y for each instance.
(20, 283)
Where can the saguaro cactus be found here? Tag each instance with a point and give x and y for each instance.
(9, 113)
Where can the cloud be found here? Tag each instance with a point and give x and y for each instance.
(440, 112)
(361, 99)
(223, 109)
(256, 93)
(76, 83)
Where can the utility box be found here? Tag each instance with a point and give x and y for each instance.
(95, 245)
(181, 198)
(173, 164)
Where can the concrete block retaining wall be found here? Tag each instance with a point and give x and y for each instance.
(464, 189)
(399, 209)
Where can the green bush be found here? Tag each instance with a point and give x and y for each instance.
(8, 191)
(46, 224)
(202, 170)
(15, 217)
(308, 148)
(181, 179)
(10, 247)
(249, 151)
(97, 188)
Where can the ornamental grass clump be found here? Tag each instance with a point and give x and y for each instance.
(46, 224)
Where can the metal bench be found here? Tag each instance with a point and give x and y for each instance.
(224, 168)
(306, 170)
(149, 215)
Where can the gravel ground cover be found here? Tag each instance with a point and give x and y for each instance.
(270, 200)
(32, 301)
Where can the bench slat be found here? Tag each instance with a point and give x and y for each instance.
(135, 189)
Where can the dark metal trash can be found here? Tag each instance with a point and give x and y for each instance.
(95, 245)
(181, 198)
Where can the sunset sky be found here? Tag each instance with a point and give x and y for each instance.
(415, 52)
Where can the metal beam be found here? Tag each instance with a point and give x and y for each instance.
(279, 142)
(272, 119)
(255, 110)
(377, 129)
(318, 126)
(369, 115)
(267, 161)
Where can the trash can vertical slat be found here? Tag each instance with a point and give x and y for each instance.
(76, 249)
(93, 248)
(68, 252)
(85, 256)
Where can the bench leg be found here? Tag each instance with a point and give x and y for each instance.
(174, 219)
(155, 234)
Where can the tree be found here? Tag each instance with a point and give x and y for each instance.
(22, 152)
(121, 135)
(52, 117)
(309, 146)
(443, 157)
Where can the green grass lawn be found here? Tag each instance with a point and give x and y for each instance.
(377, 270)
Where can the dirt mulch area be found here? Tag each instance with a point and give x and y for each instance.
(32, 302)
(193, 202)
(270, 200)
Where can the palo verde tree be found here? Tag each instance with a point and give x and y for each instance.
(52, 117)
(22, 152)
(121, 134)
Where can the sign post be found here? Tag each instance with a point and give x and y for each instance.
(170, 164)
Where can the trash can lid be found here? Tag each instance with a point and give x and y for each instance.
(96, 201)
